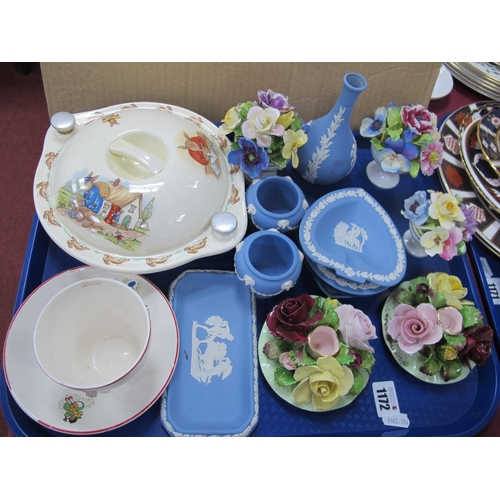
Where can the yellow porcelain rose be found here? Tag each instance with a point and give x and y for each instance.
(450, 286)
(445, 208)
(447, 353)
(230, 121)
(323, 383)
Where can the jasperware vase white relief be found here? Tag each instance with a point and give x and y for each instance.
(331, 151)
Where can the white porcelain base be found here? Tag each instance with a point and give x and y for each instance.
(413, 246)
(380, 178)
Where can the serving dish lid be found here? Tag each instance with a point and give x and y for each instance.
(136, 187)
(349, 232)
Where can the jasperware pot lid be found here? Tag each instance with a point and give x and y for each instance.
(139, 187)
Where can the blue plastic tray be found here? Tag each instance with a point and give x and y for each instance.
(461, 409)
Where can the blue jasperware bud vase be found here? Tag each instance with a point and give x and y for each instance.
(330, 151)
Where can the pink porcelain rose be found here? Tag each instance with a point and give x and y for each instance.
(356, 327)
(415, 327)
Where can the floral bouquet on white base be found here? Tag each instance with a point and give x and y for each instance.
(441, 221)
(321, 349)
(432, 319)
(266, 132)
(405, 139)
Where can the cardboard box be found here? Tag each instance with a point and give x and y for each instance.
(210, 89)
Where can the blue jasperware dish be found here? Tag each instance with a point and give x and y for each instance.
(349, 232)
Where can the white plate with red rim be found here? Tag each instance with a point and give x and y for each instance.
(72, 412)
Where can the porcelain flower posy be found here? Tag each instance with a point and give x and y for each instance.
(442, 222)
(322, 381)
(274, 128)
(415, 327)
(356, 327)
(404, 139)
(433, 319)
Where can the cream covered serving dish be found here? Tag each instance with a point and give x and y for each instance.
(142, 187)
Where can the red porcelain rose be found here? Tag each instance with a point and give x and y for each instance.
(478, 345)
(290, 318)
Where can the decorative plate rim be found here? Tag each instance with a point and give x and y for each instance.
(483, 190)
(453, 160)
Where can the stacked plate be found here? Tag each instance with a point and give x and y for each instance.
(471, 165)
(483, 77)
(351, 244)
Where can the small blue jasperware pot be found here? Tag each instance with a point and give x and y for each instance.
(276, 203)
(268, 262)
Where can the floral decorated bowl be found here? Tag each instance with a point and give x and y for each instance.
(139, 187)
(433, 331)
(314, 352)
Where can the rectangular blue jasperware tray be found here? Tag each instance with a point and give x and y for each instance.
(214, 390)
(459, 409)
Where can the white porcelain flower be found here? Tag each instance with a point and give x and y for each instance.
(261, 125)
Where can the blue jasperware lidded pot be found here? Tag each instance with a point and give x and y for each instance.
(276, 203)
(268, 262)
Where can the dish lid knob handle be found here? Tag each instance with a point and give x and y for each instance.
(121, 147)
(63, 122)
(224, 223)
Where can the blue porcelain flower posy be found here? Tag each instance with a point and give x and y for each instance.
(374, 127)
(416, 208)
(404, 139)
(251, 158)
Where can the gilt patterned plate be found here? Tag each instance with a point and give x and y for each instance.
(349, 232)
(455, 179)
(488, 133)
(484, 178)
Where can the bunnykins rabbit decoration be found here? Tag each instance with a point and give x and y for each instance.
(330, 151)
